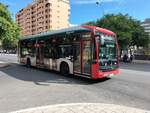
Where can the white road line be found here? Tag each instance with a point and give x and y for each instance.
(79, 104)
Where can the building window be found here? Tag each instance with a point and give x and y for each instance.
(47, 5)
(50, 26)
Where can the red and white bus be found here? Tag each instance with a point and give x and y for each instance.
(86, 51)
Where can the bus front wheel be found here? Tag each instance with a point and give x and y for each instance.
(64, 69)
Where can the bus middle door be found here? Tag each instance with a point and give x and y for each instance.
(40, 54)
(77, 58)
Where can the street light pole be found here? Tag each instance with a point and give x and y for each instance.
(100, 3)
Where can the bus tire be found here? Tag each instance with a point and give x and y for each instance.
(64, 68)
(28, 63)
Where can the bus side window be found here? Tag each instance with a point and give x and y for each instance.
(78, 37)
(27, 48)
(32, 49)
(68, 51)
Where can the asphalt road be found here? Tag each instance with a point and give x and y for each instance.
(22, 87)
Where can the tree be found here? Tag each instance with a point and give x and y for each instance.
(9, 30)
(11, 39)
(139, 37)
(128, 30)
(5, 20)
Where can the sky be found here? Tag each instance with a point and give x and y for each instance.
(83, 11)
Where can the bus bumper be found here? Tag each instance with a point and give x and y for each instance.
(106, 74)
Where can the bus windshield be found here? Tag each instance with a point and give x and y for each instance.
(107, 50)
(108, 53)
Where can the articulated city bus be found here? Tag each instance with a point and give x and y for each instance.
(86, 51)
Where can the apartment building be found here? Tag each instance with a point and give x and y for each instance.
(43, 15)
(146, 25)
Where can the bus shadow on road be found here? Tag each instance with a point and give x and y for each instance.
(45, 77)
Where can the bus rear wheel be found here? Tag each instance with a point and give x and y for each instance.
(64, 69)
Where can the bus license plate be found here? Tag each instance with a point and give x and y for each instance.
(110, 75)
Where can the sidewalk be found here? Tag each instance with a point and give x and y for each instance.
(83, 108)
(142, 61)
(3, 64)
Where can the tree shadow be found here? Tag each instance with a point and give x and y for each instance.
(45, 77)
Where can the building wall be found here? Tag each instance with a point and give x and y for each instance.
(43, 15)
(146, 25)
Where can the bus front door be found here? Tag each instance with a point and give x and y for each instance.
(82, 58)
(86, 58)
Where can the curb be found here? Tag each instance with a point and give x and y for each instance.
(83, 108)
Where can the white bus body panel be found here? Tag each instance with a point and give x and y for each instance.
(52, 64)
(70, 64)
(33, 60)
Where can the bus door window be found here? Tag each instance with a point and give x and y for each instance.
(40, 52)
(77, 57)
(86, 57)
(54, 53)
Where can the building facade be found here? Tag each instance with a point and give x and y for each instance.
(43, 15)
(146, 25)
